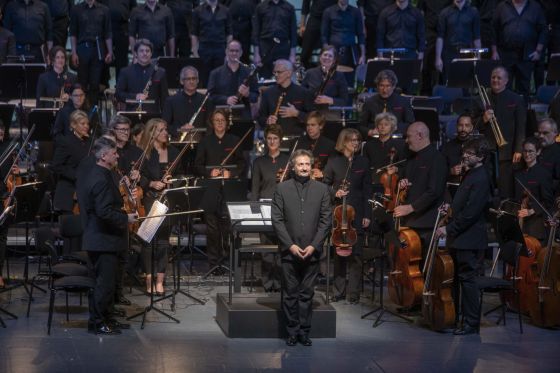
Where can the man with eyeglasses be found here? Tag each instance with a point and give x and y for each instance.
(227, 82)
(290, 111)
(180, 108)
(143, 81)
(550, 154)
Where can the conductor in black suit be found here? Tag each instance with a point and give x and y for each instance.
(301, 218)
(105, 228)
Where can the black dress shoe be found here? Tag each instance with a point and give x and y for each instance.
(118, 325)
(304, 340)
(291, 341)
(466, 329)
(103, 328)
(122, 301)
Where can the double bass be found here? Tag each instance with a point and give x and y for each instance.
(344, 235)
(405, 281)
(438, 308)
(544, 303)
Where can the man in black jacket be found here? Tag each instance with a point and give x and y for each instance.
(301, 217)
(466, 232)
(105, 227)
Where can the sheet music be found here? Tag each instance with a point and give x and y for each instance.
(266, 212)
(149, 227)
(243, 211)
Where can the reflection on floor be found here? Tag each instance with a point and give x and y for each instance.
(198, 345)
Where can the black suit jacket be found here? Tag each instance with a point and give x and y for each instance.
(103, 219)
(467, 229)
(301, 215)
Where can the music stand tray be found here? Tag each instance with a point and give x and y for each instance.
(14, 75)
(173, 66)
(43, 119)
(138, 116)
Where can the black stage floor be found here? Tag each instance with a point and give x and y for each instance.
(198, 344)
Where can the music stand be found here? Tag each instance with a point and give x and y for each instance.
(429, 116)
(43, 119)
(388, 236)
(408, 71)
(173, 66)
(181, 199)
(138, 116)
(19, 80)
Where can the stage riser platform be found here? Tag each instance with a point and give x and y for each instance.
(259, 315)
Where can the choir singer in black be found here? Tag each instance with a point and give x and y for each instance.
(301, 218)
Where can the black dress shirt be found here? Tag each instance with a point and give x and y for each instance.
(241, 12)
(89, 24)
(62, 121)
(211, 28)
(182, 14)
(336, 87)
(459, 28)
(514, 31)
(213, 150)
(223, 83)
(275, 21)
(395, 104)
(31, 24)
(550, 160)
(372, 8)
(431, 10)
(179, 109)
(153, 170)
(133, 80)
(264, 173)
(7, 44)
(398, 28)
(426, 170)
(157, 26)
(50, 83)
(120, 13)
(322, 148)
(59, 8)
(341, 28)
(379, 154)
(129, 154)
(452, 151)
(295, 95)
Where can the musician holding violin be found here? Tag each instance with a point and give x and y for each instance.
(320, 146)
(452, 150)
(466, 232)
(349, 176)
(538, 180)
(155, 178)
(213, 150)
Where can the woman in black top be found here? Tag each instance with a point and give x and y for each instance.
(358, 176)
(77, 102)
(56, 81)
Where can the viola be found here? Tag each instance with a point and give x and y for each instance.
(344, 235)
(544, 302)
(405, 281)
(438, 308)
(389, 182)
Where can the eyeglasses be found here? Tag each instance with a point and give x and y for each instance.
(278, 72)
(122, 129)
(354, 140)
(78, 95)
(529, 151)
(190, 78)
(271, 139)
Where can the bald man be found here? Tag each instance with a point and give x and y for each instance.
(424, 178)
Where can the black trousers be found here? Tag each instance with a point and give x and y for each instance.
(298, 281)
(217, 232)
(371, 35)
(519, 68)
(182, 45)
(271, 272)
(212, 56)
(311, 40)
(271, 52)
(122, 256)
(243, 35)
(89, 70)
(104, 266)
(160, 258)
(351, 267)
(467, 265)
(60, 31)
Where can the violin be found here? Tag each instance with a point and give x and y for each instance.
(405, 281)
(344, 235)
(544, 302)
(389, 182)
(131, 205)
(438, 308)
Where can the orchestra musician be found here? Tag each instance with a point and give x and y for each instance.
(105, 229)
(160, 154)
(510, 111)
(335, 92)
(301, 217)
(136, 133)
(4, 169)
(77, 101)
(290, 110)
(180, 108)
(320, 146)
(227, 84)
(466, 232)
(550, 153)
(385, 100)
(266, 173)
(424, 179)
(56, 81)
(538, 180)
(212, 151)
(384, 149)
(142, 80)
(453, 149)
(351, 167)
(69, 151)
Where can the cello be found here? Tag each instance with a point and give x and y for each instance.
(544, 302)
(344, 235)
(405, 282)
(438, 308)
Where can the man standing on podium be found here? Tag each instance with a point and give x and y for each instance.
(301, 218)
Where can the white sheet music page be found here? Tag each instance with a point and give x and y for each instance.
(149, 227)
